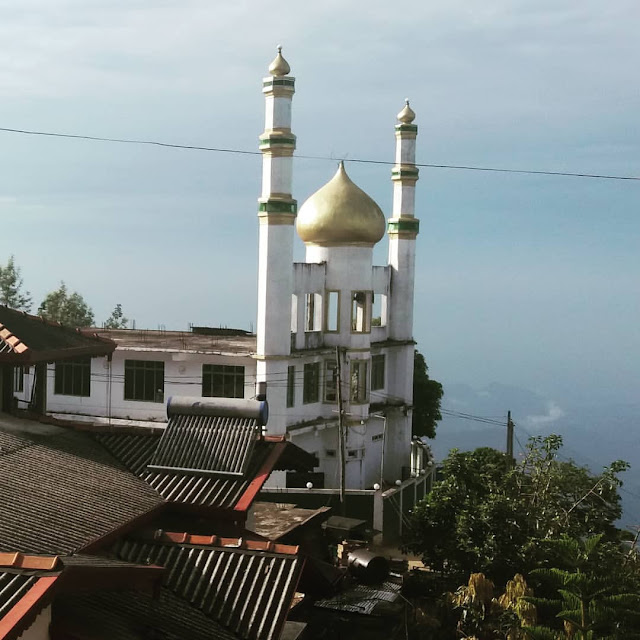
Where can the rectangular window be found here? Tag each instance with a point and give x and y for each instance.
(73, 378)
(330, 381)
(311, 383)
(377, 437)
(18, 378)
(377, 372)
(379, 310)
(291, 386)
(358, 394)
(313, 312)
(144, 380)
(222, 381)
(361, 311)
(332, 319)
(294, 313)
(330, 453)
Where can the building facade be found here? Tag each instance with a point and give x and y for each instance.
(334, 345)
(335, 332)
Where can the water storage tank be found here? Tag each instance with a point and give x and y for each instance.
(367, 566)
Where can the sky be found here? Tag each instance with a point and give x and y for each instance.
(527, 280)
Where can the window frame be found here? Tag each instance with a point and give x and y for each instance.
(328, 309)
(359, 368)
(311, 383)
(72, 378)
(378, 379)
(291, 386)
(230, 375)
(384, 309)
(330, 367)
(146, 367)
(365, 308)
(313, 312)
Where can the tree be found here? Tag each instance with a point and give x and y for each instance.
(65, 308)
(427, 394)
(591, 598)
(116, 320)
(11, 293)
(485, 517)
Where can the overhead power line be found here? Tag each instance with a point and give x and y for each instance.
(189, 147)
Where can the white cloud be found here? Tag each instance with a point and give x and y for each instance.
(554, 413)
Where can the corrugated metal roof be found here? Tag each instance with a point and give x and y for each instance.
(361, 599)
(60, 489)
(247, 591)
(205, 445)
(135, 452)
(132, 615)
(12, 587)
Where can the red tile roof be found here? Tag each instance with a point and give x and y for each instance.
(17, 560)
(160, 536)
(27, 339)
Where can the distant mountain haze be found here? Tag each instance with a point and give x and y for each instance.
(594, 434)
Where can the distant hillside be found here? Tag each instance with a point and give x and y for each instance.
(594, 435)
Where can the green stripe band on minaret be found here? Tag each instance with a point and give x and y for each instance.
(399, 225)
(278, 82)
(278, 206)
(279, 140)
(407, 127)
(397, 174)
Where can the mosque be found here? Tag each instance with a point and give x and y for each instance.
(336, 328)
(333, 352)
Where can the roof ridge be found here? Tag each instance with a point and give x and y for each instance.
(159, 536)
(19, 560)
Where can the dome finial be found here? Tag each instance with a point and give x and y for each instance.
(279, 66)
(407, 115)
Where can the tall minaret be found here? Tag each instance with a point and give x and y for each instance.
(403, 228)
(276, 213)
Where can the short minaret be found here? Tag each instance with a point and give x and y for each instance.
(403, 228)
(277, 214)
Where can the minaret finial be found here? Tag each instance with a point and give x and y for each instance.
(279, 67)
(407, 115)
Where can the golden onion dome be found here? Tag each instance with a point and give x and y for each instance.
(340, 213)
(407, 115)
(279, 66)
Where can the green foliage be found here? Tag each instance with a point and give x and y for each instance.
(11, 292)
(116, 320)
(485, 517)
(427, 394)
(591, 594)
(66, 308)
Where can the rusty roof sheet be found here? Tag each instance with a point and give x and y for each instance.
(206, 445)
(247, 591)
(60, 489)
(27, 339)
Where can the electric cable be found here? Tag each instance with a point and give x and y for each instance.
(460, 167)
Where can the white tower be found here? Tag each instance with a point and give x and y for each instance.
(403, 229)
(277, 213)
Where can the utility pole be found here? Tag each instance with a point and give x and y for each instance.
(341, 434)
(510, 440)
